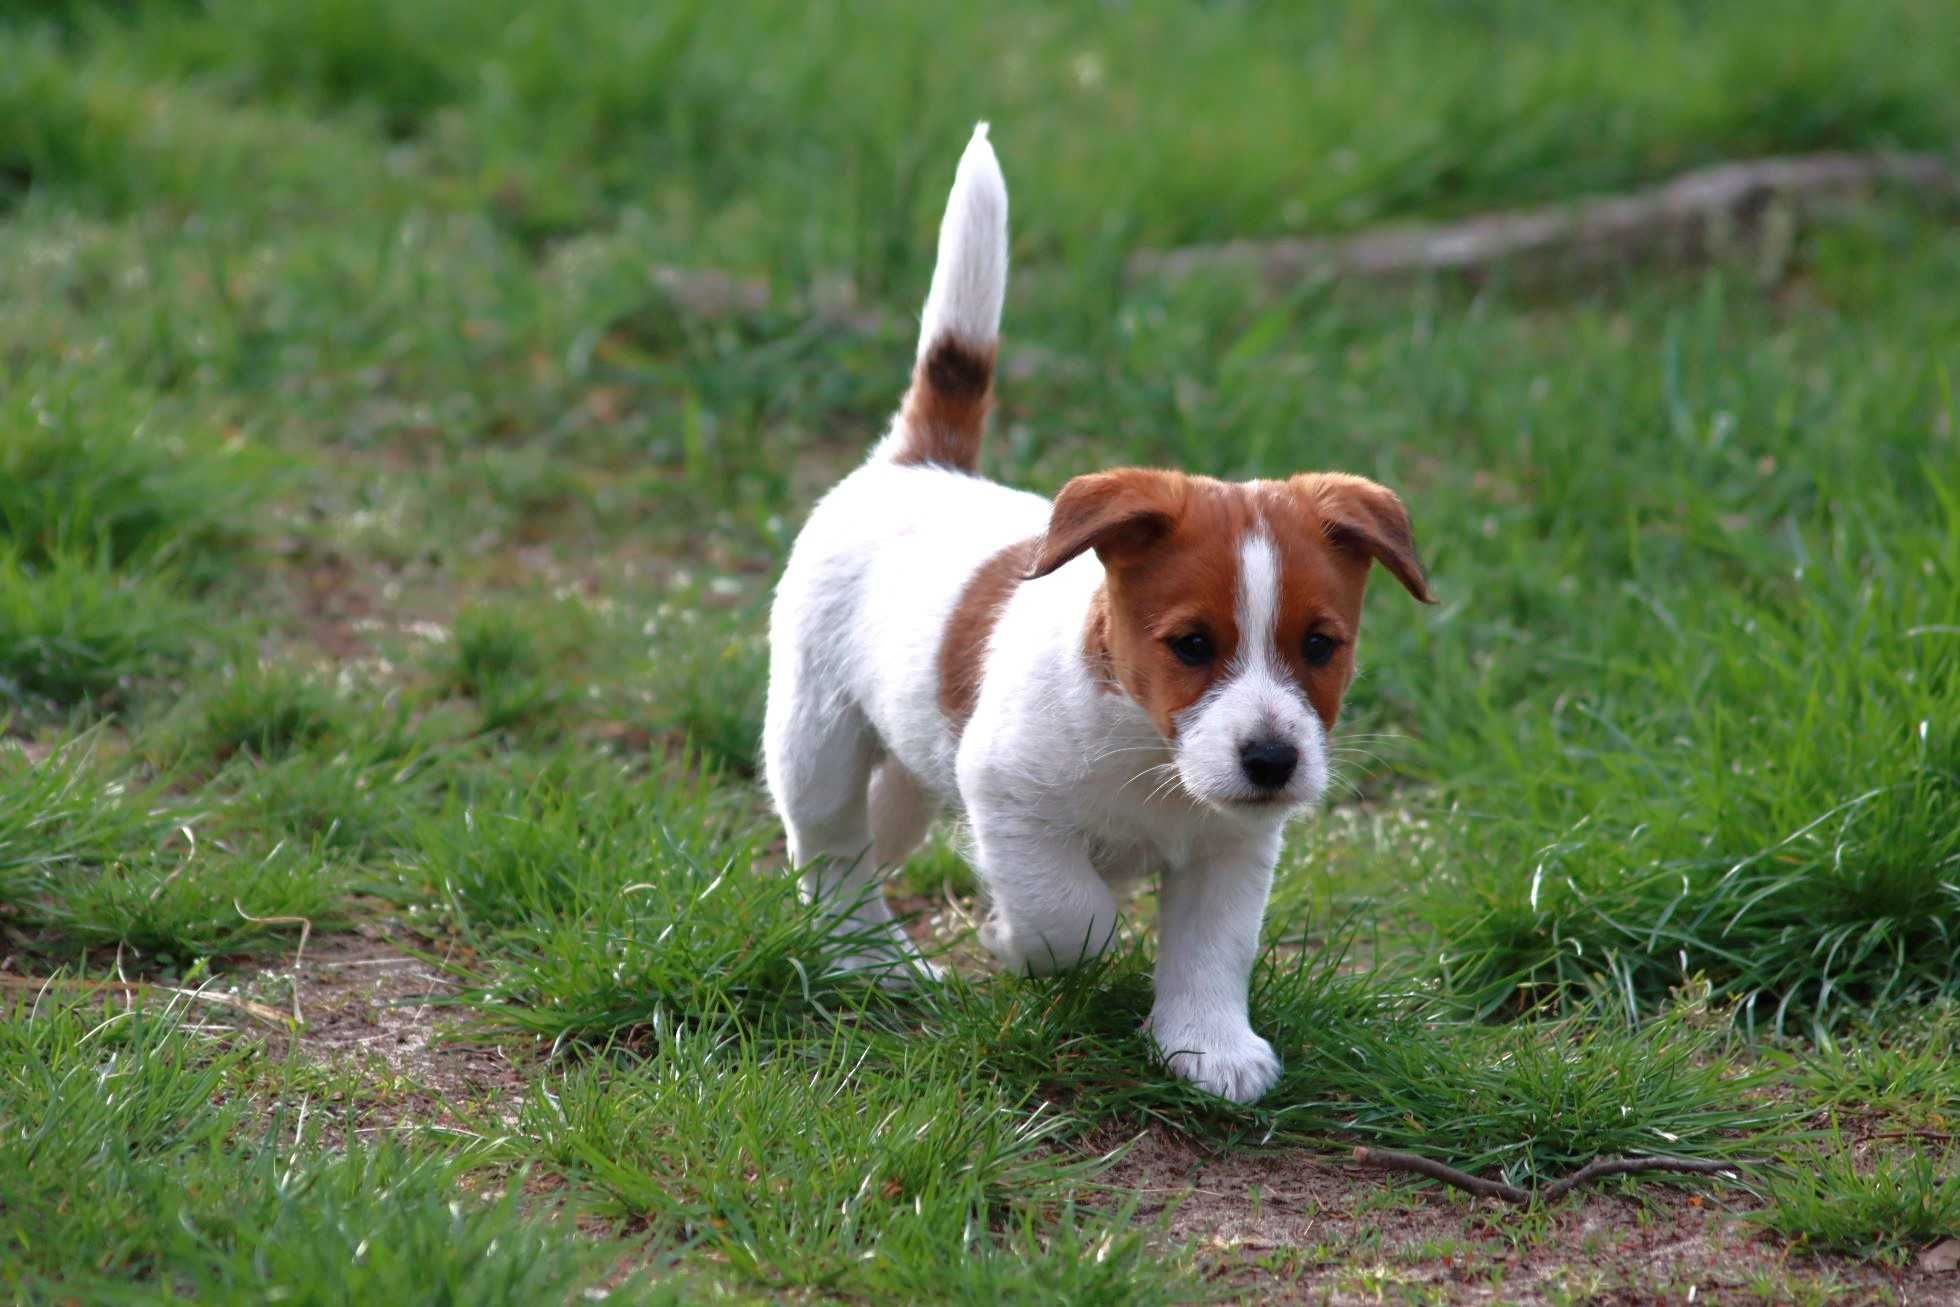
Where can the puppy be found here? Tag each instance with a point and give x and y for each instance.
(1137, 677)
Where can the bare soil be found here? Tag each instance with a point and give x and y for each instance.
(1291, 1225)
(372, 1006)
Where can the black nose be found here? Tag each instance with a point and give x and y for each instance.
(1268, 764)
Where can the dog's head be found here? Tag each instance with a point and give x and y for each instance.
(1230, 613)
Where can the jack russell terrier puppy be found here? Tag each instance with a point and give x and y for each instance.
(1139, 676)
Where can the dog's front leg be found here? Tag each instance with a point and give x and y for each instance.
(1049, 909)
(1208, 936)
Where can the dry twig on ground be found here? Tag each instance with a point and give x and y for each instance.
(1597, 1169)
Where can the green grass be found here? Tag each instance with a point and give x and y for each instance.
(1902, 1071)
(498, 663)
(873, 1187)
(386, 533)
(75, 632)
(1370, 1058)
(95, 470)
(125, 1181)
(613, 903)
(706, 680)
(1832, 885)
(566, 116)
(1886, 1212)
(265, 713)
(91, 858)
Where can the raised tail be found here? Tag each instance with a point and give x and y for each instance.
(945, 410)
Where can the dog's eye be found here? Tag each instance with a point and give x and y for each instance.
(1193, 650)
(1318, 649)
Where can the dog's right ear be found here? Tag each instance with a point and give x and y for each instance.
(1118, 514)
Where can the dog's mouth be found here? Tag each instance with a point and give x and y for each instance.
(1261, 802)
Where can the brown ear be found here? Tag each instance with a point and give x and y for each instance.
(1368, 519)
(1115, 513)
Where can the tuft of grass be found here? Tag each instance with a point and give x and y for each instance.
(113, 1101)
(601, 904)
(90, 857)
(355, 803)
(82, 126)
(364, 54)
(182, 902)
(1370, 1058)
(497, 658)
(266, 712)
(707, 675)
(74, 632)
(127, 1165)
(61, 815)
(1803, 857)
(559, 848)
(1883, 1211)
(854, 1157)
(1900, 1068)
(87, 468)
(940, 868)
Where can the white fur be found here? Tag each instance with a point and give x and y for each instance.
(1071, 791)
(969, 282)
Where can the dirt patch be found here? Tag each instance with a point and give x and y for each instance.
(373, 1016)
(329, 598)
(1290, 1225)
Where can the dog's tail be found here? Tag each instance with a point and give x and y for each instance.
(945, 410)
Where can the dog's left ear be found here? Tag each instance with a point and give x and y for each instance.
(1364, 518)
(1118, 514)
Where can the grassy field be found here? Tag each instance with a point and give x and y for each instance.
(390, 909)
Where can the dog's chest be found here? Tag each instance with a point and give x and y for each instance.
(1137, 821)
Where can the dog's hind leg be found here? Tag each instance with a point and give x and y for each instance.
(819, 759)
(901, 814)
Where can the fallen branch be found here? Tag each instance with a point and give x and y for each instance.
(1688, 217)
(1597, 1169)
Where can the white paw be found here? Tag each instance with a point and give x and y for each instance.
(1026, 953)
(1233, 1063)
(897, 965)
(999, 940)
(890, 969)
(918, 971)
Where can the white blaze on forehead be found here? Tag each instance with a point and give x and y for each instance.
(1255, 699)
(1258, 602)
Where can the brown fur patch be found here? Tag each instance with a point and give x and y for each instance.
(1095, 641)
(1170, 545)
(1184, 581)
(1368, 520)
(945, 411)
(963, 644)
(1321, 588)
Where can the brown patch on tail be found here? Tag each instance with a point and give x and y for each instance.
(945, 411)
(963, 644)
